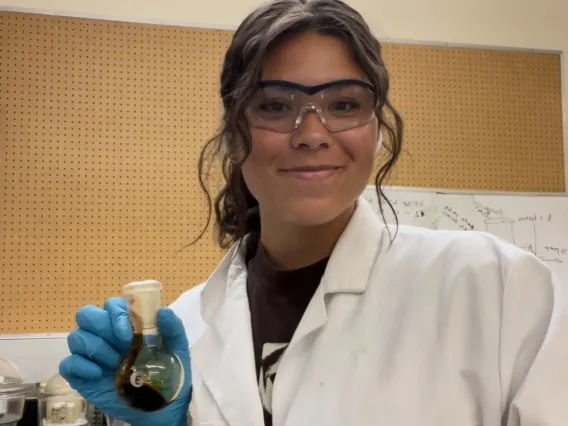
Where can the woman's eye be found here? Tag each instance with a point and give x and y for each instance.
(273, 107)
(345, 106)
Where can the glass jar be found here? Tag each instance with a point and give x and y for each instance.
(61, 405)
(13, 393)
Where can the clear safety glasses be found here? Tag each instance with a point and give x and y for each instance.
(280, 106)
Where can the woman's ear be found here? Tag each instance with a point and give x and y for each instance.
(225, 137)
(225, 147)
(380, 141)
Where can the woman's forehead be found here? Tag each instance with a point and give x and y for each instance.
(311, 59)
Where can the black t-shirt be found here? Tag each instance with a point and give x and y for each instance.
(277, 300)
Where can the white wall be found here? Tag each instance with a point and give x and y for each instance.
(37, 356)
(539, 24)
(533, 24)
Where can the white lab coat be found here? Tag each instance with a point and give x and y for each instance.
(442, 329)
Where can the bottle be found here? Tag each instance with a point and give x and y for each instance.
(150, 376)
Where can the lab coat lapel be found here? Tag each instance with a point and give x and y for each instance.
(355, 253)
(349, 266)
(224, 355)
(348, 271)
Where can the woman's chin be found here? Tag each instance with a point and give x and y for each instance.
(313, 213)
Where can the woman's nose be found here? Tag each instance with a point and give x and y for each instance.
(311, 132)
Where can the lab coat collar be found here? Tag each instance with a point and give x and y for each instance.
(348, 269)
(222, 280)
(355, 253)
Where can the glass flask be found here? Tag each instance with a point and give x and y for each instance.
(150, 376)
(13, 392)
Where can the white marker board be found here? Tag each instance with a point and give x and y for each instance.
(534, 222)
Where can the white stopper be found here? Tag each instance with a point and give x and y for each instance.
(144, 299)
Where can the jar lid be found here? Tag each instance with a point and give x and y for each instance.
(57, 386)
(11, 381)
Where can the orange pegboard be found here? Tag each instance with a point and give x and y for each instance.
(101, 124)
(478, 119)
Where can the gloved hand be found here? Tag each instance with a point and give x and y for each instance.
(97, 347)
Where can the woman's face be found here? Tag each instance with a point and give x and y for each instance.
(310, 176)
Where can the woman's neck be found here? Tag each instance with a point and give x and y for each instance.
(292, 247)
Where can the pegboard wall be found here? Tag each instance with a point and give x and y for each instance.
(478, 119)
(101, 124)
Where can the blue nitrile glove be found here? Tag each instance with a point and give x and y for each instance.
(97, 347)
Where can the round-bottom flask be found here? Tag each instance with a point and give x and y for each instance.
(150, 376)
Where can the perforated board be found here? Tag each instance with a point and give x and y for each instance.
(478, 119)
(101, 124)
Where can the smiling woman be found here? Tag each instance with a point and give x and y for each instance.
(320, 314)
(304, 105)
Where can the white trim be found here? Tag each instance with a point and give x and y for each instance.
(33, 336)
(468, 46)
(564, 87)
(475, 192)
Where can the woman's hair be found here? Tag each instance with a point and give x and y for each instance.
(236, 210)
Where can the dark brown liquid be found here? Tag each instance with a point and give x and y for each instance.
(145, 397)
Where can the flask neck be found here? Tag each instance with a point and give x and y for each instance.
(152, 337)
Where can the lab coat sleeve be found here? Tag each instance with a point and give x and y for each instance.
(534, 346)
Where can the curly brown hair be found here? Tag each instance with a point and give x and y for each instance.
(236, 210)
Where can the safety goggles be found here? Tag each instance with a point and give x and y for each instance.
(281, 106)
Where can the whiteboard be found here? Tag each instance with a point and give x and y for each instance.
(537, 223)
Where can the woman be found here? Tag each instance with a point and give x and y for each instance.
(319, 314)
